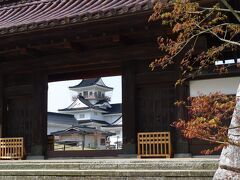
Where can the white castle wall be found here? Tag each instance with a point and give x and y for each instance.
(223, 85)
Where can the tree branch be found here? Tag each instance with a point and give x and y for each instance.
(224, 40)
(231, 9)
(220, 9)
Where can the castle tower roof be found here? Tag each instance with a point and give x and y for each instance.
(91, 82)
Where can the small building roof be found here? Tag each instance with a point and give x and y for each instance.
(91, 82)
(113, 126)
(59, 118)
(93, 120)
(42, 14)
(81, 130)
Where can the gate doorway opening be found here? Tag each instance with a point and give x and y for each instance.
(85, 117)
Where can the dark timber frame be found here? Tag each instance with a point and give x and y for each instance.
(123, 45)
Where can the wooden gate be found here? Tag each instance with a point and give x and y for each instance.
(11, 148)
(154, 144)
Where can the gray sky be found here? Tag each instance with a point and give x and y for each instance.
(59, 96)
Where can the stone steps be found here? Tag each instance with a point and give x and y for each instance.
(109, 169)
(113, 164)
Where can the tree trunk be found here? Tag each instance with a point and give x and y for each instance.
(229, 165)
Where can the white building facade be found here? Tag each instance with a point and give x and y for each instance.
(91, 108)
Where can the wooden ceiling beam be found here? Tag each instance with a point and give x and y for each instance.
(95, 57)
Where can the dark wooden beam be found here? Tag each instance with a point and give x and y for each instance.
(93, 58)
(1, 105)
(77, 73)
(128, 103)
(40, 85)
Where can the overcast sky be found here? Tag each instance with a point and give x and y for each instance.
(59, 95)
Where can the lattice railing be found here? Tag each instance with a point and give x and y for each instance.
(154, 144)
(11, 148)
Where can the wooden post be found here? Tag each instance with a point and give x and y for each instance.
(1, 106)
(181, 145)
(128, 103)
(39, 144)
(83, 142)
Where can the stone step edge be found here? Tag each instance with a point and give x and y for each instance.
(111, 166)
(108, 167)
(183, 160)
(97, 163)
(110, 173)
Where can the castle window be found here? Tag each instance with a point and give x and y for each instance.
(81, 115)
(102, 142)
(85, 93)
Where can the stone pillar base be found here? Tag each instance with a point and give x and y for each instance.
(129, 148)
(182, 155)
(35, 157)
(226, 174)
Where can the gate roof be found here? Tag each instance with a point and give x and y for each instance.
(35, 15)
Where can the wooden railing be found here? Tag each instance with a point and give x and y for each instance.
(154, 144)
(11, 148)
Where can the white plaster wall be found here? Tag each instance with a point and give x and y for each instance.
(90, 141)
(99, 116)
(86, 117)
(89, 115)
(223, 85)
(94, 141)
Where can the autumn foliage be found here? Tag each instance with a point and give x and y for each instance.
(190, 25)
(209, 118)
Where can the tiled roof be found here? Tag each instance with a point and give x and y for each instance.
(102, 101)
(116, 108)
(114, 125)
(59, 118)
(93, 120)
(73, 107)
(81, 130)
(86, 83)
(79, 109)
(42, 14)
(90, 82)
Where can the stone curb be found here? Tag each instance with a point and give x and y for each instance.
(111, 173)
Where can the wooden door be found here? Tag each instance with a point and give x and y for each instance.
(19, 119)
(155, 108)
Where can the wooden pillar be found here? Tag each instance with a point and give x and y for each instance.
(39, 141)
(128, 103)
(1, 105)
(181, 145)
